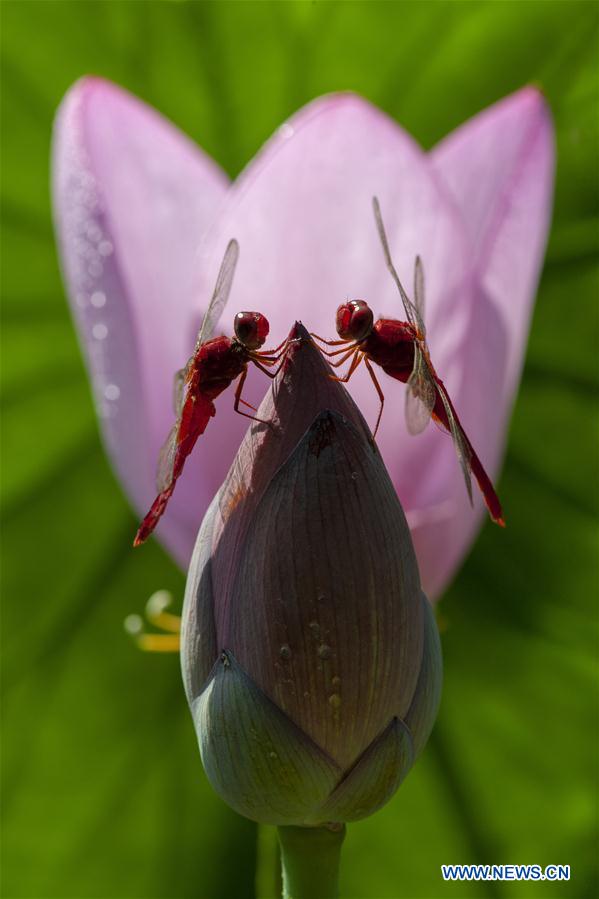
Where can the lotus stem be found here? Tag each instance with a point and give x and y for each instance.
(310, 860)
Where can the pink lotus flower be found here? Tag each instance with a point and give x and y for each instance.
(143, 217)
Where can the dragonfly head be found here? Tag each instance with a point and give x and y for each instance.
(354, 320)
(251, 329)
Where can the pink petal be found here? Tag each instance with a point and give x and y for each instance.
(499, 170)
(303, 216)
(132, 198)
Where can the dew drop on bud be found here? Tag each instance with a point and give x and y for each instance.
(334, 700)
(324, 651)
(285, 651)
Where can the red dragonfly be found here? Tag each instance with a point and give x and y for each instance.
(400, 349)
(213, 366)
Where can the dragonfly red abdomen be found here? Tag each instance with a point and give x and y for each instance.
(197, 412)
(482, 478)
(151, 519)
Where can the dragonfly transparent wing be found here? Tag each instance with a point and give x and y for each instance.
(420, 394)
(221, 292)
(179, 388)
(166, 459)
(459, 443)
(419, 289)
(412, 313)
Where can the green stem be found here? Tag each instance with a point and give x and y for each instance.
(310, 858)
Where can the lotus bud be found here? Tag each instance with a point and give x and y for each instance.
(310, 654)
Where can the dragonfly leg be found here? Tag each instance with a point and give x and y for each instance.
(328, 342)
(346, 345)
(238, 399)
(265, 360)
(358, 356)
(282, 347)
(260, 359)
(268, 359)
(260, 365)
(344, 358)
(344, 349)
(379, 391)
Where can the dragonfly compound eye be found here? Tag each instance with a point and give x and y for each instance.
(354, 320)
(251, 329)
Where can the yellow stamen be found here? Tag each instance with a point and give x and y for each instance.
(158, 642)
(165, 621)
(156, 615)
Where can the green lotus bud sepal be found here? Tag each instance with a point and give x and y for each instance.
(310, 654)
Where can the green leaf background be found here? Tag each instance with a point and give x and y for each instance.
(104, 795)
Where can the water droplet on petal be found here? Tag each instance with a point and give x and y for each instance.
(92, 231)
(324, 651)
(95, 269)
(98, 299)
(285, 651)
(100, 331)
(334, 700)
(112, 392)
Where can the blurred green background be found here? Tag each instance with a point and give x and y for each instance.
(104, 795)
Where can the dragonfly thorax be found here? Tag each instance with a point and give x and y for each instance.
(251, 329)
(354, 320)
